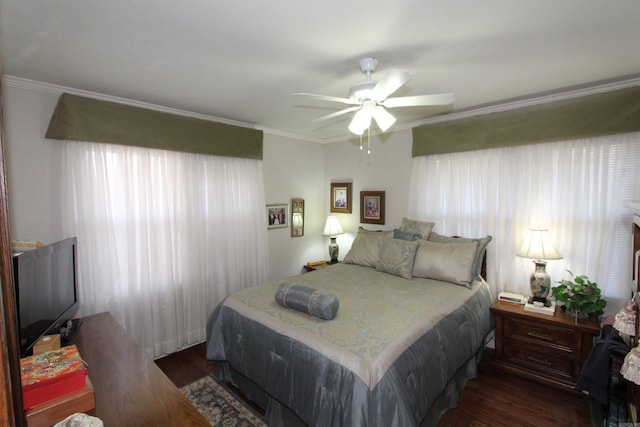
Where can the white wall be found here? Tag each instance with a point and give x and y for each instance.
(387, 168)
(34, 165)
(292, 168)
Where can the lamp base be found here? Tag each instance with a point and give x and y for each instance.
(540, 281)
(333, 251)
(545, 302)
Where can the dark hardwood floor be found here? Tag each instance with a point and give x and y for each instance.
(493, 399)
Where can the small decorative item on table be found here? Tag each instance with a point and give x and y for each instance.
(47, 343)
(51, 374)
(316, 265)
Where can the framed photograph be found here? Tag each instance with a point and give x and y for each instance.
(297, 217)
(341, 197)
(277, 216)
(372, 207)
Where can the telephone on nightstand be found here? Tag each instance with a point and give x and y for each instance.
(511, 297)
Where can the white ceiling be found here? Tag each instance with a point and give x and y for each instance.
(242, 60)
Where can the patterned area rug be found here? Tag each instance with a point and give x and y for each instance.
(219, 405)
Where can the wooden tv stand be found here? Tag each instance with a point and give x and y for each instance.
(130, 389)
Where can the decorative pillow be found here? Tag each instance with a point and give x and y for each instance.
(482, 245)
(405, 235)
(365, 249)
(421, 228)
(449, 262)
(397, 257)
(307, 300)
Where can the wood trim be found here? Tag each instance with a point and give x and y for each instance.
(10, 388)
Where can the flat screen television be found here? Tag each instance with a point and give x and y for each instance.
(46, 290)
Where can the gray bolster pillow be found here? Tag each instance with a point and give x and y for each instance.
(307, 300)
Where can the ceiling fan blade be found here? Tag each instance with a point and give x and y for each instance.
(383, 118)
(389, 84)
(337, 113)
(419, 100)
(330, 98)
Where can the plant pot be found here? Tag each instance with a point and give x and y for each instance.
(577, 314)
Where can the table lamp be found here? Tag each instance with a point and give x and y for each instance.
(332, 228)
(539, 247)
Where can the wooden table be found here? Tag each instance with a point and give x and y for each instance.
(130, 389)
(548, 349)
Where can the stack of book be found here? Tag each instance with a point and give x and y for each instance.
(54, 384)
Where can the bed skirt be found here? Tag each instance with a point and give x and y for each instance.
(278, 415)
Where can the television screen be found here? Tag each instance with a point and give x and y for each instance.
(46, 290)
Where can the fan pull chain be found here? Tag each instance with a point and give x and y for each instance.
(368, 140)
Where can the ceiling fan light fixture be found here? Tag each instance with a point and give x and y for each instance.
(362, 90)
(383, 118)
(361, 121)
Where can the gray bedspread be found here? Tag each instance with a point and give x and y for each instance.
(389, 353)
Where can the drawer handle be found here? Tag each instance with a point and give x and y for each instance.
(533, 333)
(544, 361)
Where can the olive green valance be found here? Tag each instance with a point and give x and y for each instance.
(86, 119)
(600, 114)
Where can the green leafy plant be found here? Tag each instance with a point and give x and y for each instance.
(581, 296)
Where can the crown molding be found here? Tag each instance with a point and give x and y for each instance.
(528, 101)
(32, 85)
(567, 93)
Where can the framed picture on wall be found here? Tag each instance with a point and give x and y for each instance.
(277, 215)
(341, 197)
(297, 217)
(372, 207)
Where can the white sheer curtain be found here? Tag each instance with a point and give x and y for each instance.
(577, 189)
(163, 236)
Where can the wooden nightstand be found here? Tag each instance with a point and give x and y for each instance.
(543, 348)
(316, 265)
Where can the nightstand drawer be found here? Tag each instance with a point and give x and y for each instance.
(548, 349)
(543, 334)
(543, 359)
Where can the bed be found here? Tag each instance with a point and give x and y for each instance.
(411, 325)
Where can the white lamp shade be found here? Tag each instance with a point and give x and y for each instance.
(332, 226)
(297, 219)
(383, 118)
(625, 320)
(362, 118)
(538, 245)
(630, 369)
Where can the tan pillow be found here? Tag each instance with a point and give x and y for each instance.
(365, 249)
(449, 262)
(420, 228)
(482, 246)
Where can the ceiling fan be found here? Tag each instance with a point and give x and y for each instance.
(370, 98)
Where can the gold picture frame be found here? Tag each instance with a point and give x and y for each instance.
(297, 217)
(341, 197)
(372, 207)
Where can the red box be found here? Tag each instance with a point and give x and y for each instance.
(51, 374)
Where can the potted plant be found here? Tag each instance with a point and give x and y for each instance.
(581, 297)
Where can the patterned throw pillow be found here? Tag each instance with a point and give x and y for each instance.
(397, 256)
(421, 228)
